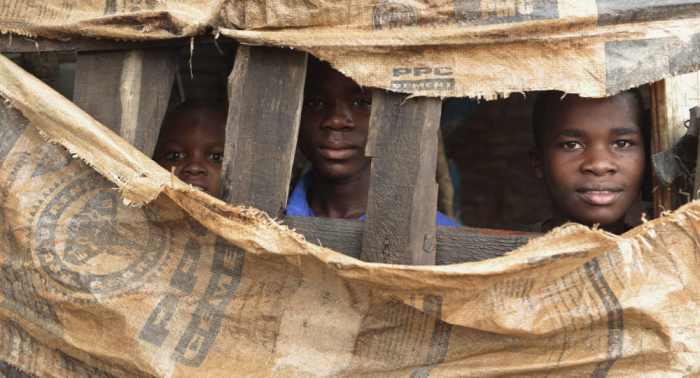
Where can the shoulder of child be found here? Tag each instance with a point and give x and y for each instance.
(443, 220)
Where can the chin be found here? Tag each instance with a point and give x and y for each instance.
(340, 171)
(333, 172)
(602, 220)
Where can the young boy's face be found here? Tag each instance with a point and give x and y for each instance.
(193, 144)
(592, 158)
(334, 123)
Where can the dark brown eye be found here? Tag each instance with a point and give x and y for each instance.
(216, 157)
(623, 144)
(174, 155)
(362, 102)
(571, 145)
(315, 102)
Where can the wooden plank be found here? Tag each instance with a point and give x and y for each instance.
(16, 43)
(671, 100)
(463, 244)
(340, 235)
(402, 141)
(266, 92)
(127, 91)
(453, 244)
(695, 122)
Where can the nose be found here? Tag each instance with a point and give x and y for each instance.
(599, 161)
(338, 118)
(194, 166)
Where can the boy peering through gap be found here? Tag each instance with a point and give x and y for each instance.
(590, 154)
(192, 140)
(332, 136)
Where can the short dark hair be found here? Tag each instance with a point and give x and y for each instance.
(216, 112)
(542, 103)
(202, 106)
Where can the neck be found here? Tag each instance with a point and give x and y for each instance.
(340, 198)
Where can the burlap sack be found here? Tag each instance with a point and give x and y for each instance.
(185, 286)
(477, 48)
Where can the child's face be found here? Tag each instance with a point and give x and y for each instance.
(195, 148)
(592, 159)
(334, 123)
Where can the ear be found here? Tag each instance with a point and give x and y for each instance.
(535, 158)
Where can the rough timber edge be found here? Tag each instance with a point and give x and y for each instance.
(322, 44)
(17, 43)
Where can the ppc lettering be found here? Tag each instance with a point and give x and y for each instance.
(422, 71)
(505, 8)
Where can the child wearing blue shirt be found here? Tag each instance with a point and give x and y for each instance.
(332, 136)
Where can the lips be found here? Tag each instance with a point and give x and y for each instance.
(337, 151)
(600, 195)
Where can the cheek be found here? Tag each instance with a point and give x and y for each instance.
(305, 145)
(361, 119)
(362, 123)
(558, 173)
(308, 133)
(635, 169)
(167, 164)
(309, 120)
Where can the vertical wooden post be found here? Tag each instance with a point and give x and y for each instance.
(127, 91)
(671, 100)
(266, 91)
(400, 223)
(695, 122)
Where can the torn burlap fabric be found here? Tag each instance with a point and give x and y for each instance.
(183, 285)
(477, 48)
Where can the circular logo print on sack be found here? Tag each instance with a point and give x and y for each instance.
(89, 245)
(393, 15)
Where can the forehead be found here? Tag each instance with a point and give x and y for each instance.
(592, 113)
(199, 122)
(320, 76)
(182, 132)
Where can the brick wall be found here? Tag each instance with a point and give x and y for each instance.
(490, 149)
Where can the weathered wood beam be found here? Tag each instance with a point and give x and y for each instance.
(266, 91)
(127, 91)
(19, 44)
(454, 245)
(402, 141)
(671, 100)
(695, 120)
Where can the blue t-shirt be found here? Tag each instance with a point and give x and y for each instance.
(299, 205)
